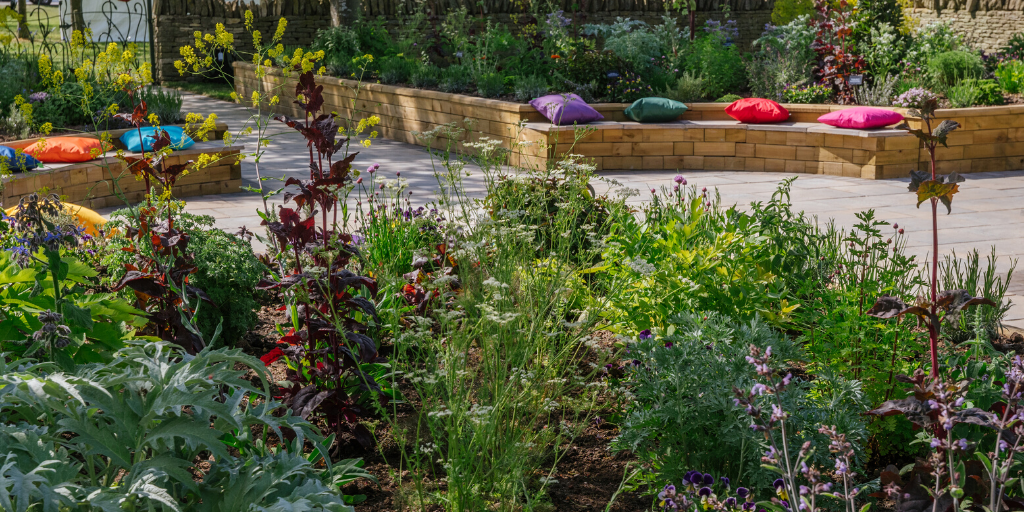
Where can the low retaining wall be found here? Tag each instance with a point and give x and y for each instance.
(991, 138)
(95, 184)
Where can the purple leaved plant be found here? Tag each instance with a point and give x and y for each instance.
(934, 188)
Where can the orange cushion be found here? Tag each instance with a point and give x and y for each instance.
(62, 150)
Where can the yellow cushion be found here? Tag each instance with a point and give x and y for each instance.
(90, 220)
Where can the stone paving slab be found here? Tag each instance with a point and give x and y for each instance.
(985, 213)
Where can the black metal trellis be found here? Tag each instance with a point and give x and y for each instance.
(126, 22)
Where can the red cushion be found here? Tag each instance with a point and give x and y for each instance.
(861, 118)
(757, 111)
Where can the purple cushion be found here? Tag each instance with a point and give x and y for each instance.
(566, 109)
(861, 118)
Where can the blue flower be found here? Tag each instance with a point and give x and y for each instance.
(708, 479)
(704, 491)
(646, 334)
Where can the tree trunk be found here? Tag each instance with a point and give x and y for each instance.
(337, 8)
(77, 20)
(23, 32)
(344, 12)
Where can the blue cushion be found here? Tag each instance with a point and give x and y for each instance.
(179, 140)
(16, 162)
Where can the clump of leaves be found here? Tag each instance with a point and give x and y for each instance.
(834, 26)
(158, 429)
(163, 263)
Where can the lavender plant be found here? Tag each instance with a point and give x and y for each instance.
(801, 482)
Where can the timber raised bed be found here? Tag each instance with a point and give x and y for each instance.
(704, 138)
(100, 183)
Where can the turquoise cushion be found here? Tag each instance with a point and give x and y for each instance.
(179, 140)
(16, 162)
(655, 110)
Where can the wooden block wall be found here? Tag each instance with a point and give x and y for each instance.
(101, 183)
(668, 147)
(991, 138)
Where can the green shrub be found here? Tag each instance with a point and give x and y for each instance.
(64, 107)
(112, 435)
(339, 41)
(15, 122)
(226, 269)
(811, 94)
(455, 79)
(874, 14)
(1010, 75)
(166, 104)
(989, 92)
(628, 88)
(526, 88)
(718, 63)
(490, 85)
(19, 77)
(560, 206)
(926, 42)
(425, 75)
(639, 46)
(682, 416)
(785, 11)
(688, 88)
(949, 68)
(588, 73)
(396, 70)
(971, 92)
(728, 98)
(1015, 46)
(339, 65)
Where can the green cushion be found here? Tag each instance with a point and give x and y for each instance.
(655, 110)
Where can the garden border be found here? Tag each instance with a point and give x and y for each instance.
(991, 138)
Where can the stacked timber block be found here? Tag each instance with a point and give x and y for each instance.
(989, 139)
(105, 182)
(805, 148)
(704, 138)
(403, 111)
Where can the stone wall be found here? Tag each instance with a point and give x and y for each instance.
(751, 15)
(988, 30)
(750, 23)
(178, 20)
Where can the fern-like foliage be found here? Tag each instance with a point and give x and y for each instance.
(157, 429)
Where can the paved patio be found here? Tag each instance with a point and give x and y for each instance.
(985, 212)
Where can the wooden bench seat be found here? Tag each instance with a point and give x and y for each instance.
(728, 145)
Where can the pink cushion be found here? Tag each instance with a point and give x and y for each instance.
(757, 111)
(861, 118)
(567, 109)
